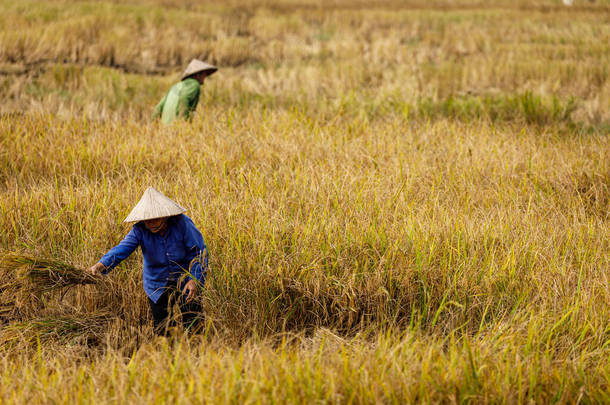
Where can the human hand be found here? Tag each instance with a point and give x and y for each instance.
(96, 269)
(190, 290)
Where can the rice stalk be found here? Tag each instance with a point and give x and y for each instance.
(5, 310)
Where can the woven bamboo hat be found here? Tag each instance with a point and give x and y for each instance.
(197, 66)
(153, 205)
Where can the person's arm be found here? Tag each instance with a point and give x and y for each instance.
(159, 108)
(189, 98)
(197, 252)
(118, 253)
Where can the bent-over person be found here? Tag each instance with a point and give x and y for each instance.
(175, 259)
(182, 98)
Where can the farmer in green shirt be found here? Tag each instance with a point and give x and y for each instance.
(181, 100)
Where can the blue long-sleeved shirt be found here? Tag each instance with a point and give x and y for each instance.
(166, 257)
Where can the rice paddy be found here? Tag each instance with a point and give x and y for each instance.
(403, 201)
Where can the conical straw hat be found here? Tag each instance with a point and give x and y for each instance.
(153, 205)
(197, 66)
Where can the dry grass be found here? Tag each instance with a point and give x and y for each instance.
(403, 203)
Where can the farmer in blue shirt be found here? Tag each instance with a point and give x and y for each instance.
(175, 258)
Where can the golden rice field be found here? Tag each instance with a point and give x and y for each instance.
(403, 201)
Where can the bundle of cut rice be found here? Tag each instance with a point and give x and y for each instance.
(40, 275)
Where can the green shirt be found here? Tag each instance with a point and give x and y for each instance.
(180, 101)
